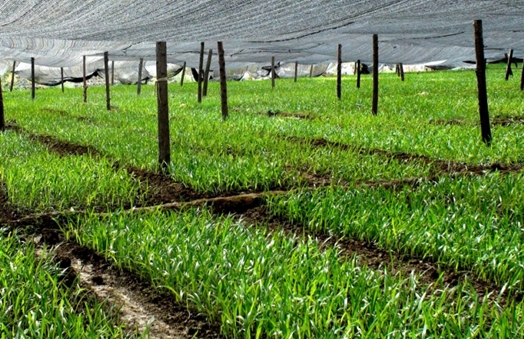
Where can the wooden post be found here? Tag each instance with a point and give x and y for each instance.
(206, 73)
(223, 84)
(12, 77)
(374, 108)
(2, 118)
(397, 70)
(108, 83)
(112, 72)
(273, 72)
(183, 74)
(522, 78)
(85, 81)
(481, 83)
(33, 88)
(296, 70)
(358, 73)
(164, 153)
(310, 71)
(62, 78)
(401, 71)
(339, 72)
(200, 71)
(139, 83)
(508, 65)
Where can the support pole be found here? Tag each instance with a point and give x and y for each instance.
(108, 83)
(508, 65)
(164, 153)
(481, 83)
(200, 71)
(401, 70)
(2, 118)
(272, 72)
(112, 72)
(33, 88)
(223, 84)
(12, 77)
(339, 73)
(310, 71)
(296, 70)
(85, 81)
(206, 73)
(139, 83)
(183, 74)
(62, 78)
(358, 73)
(522, 78)
(374, 108)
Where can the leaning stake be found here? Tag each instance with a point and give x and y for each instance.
(223, 85)
(139, 83)
(12, 77)
(339, 72)
(401, 70)
(508, 65)
(183, 75)
(108, 83)
(200, 71)
(522, 78)
(206, 73)
(164, 154)
(296, 70)
(374, 108)
(481, 83)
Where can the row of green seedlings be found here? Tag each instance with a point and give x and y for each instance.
(39, 181)
(235, 160)
(259, 283)
(36, 304)
(467, 224)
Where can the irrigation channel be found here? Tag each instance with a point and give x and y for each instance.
(143, 304)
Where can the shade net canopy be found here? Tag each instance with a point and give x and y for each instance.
(58, 33)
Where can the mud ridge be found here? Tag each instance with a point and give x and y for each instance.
(370, 255)
(140, 306)
(438, 166)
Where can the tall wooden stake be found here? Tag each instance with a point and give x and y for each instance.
(223, 84)
(522, 78)
(273, 72)
(200, 71)
(358, 73)
(62, 78)
(164, 153)
(108, 83)
(401, 71)
(310, 71)
(296, 70)
(139, 83)
(12, 77)
(339, 72)
(33, 88)
(374, 108)
(508, 65)
(183, 74)
(2, 118)
(85, 80)
(481, 83)
(112, 72)
(206, 73)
